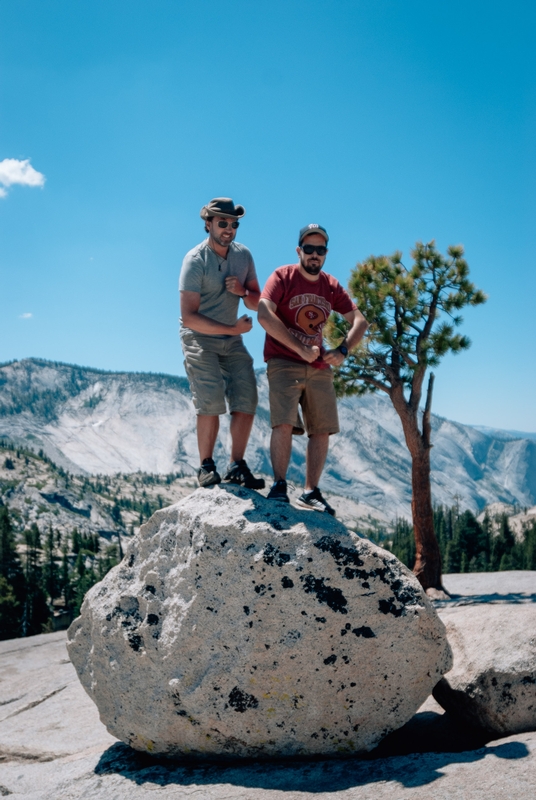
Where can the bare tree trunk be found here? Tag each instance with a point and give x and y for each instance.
(427, 566)
(427, 556)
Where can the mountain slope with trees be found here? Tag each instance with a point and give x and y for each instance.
(96, 423)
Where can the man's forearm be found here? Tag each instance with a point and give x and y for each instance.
(251, 300)
(201, 324)
(273, 325)
(356, 332)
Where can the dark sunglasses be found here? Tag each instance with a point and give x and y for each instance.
(309, 249)
(223, 224)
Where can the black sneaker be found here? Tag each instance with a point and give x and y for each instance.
(315, 500)
(206, 474)
(239, 472)
(279, 492)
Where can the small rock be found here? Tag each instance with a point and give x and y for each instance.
(239, 626)
(492, 683)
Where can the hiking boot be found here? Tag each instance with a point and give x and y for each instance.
(315, 500)
(239, 472)
(206, 474)
(278, 492)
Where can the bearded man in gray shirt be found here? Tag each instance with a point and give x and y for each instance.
(214, 276)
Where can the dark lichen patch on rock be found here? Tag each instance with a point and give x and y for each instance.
(405, 593)
(343, 556)
(135, 641)
(286, 582)
(365, 632)
(261, 589)
(329, 595)
(388, 607)
(241, 701)
(330, 659)
(273, 556)
(153, 619)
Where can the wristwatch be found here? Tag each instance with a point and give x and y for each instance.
(343, 349)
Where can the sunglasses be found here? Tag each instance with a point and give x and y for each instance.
(223, 224)
(309, 249)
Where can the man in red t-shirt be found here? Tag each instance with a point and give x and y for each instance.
(294, 306)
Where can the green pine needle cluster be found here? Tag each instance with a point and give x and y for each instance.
(413, 314)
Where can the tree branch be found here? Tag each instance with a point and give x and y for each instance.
(374, 382)
(427, 414)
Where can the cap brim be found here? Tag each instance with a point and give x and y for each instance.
(314, 233)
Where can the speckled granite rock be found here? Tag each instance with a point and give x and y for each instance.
(236, 626)
(492, 683)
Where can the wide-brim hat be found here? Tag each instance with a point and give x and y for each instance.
(222, 207)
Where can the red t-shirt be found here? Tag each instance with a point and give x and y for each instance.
(304, 307)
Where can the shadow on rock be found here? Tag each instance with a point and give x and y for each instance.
(487, 599)
(430, 732)
(307, 775)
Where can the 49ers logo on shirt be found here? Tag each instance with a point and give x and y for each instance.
(312, 312)
(310, 319)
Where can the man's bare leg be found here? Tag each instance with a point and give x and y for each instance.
(280, 449)
(241, 425)
(207, 431)
(317, 451)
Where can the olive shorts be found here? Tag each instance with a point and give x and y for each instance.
(293, 384)
(219, 369)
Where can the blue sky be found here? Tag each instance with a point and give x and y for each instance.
(386, 121)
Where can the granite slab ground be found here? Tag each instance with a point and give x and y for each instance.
(52, 744)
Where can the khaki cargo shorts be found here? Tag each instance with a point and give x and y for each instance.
(219, 369)
(292, 385)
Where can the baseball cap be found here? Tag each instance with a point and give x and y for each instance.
(313, 227)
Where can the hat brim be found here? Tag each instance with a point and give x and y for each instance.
(205, 213)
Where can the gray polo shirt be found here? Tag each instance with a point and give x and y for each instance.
(204, 272)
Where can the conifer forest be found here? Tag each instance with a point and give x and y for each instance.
(47, 563)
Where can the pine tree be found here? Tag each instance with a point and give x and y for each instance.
(453, 556)
(403, 546)
(116, 514)
(403, 341)
(471, 538)
(12, 584)
(35, 609)
(85, 578)
(9, 560)
(51, 582)
(529, 560)
(9, 611)
(502, 547)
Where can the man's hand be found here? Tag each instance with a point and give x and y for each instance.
(333, 357)
(309, 354)
(244, 325)
(233, 285)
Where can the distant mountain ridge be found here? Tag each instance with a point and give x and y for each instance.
(89, 420)
(500, 434)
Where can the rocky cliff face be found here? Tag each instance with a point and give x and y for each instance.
(96, 422)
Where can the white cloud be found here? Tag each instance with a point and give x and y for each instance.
(27, 315)
(13, 171)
